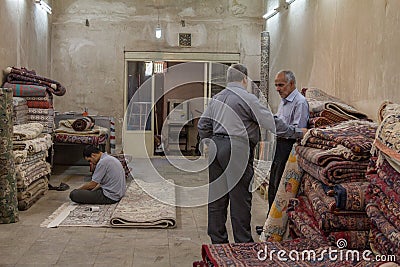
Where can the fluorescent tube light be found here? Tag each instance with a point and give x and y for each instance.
(270, 14)
(44, 5)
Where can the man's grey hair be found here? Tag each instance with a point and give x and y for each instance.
(289, 75)
(236, 73)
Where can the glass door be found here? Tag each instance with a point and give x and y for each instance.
(138, 119)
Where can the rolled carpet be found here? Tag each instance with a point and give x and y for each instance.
(8, 184)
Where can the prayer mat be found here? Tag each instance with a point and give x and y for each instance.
(8, 184)
(253, 254)
(276, 223)
(136, 209)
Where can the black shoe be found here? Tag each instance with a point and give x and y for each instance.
(61, 187)
(259, 229)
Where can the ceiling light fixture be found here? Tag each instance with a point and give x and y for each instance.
(283, 5)
(43, 5)
(158, 28)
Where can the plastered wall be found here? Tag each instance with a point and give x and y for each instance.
(349, 48)
(25, 31)
(90, 36)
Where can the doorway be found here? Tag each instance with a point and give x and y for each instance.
(165, 94)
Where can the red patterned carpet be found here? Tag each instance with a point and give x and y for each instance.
(297, 252)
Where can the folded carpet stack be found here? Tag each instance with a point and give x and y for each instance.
(328, 168)
(20, 111)
(327, 110)
(30, 147)
(81, 131)
(38, 92)
(334, 156)
(335, 160)
(383, 194)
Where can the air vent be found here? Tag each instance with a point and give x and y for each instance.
(185, 39)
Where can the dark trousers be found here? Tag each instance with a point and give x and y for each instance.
(83, 196)
(230, 177)
(282, 152)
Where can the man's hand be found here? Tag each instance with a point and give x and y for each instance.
(89, 185)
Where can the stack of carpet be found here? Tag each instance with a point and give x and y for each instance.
(327, 110)
(81, 131)
(30, 147)
(38, 92)
(20, 111)
(335, 161)
(383, 194)
(330, 169)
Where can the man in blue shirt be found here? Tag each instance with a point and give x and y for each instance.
(293, 110)
(108, 184)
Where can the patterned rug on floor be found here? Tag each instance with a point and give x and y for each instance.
(288, 253)
(137, 209)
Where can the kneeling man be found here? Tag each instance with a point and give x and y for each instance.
(108, 184)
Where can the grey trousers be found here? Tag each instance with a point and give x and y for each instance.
(282, 152)
(83, 196)
(230, 177)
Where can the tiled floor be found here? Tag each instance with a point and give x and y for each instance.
(27, 244)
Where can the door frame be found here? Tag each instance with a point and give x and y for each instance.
(132, 140)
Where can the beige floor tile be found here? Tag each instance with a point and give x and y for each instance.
(151, 256)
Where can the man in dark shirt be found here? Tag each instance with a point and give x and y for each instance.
(231, 121)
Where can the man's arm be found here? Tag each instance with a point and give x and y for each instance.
(89, 185)
(204, 126)
(288, 131)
